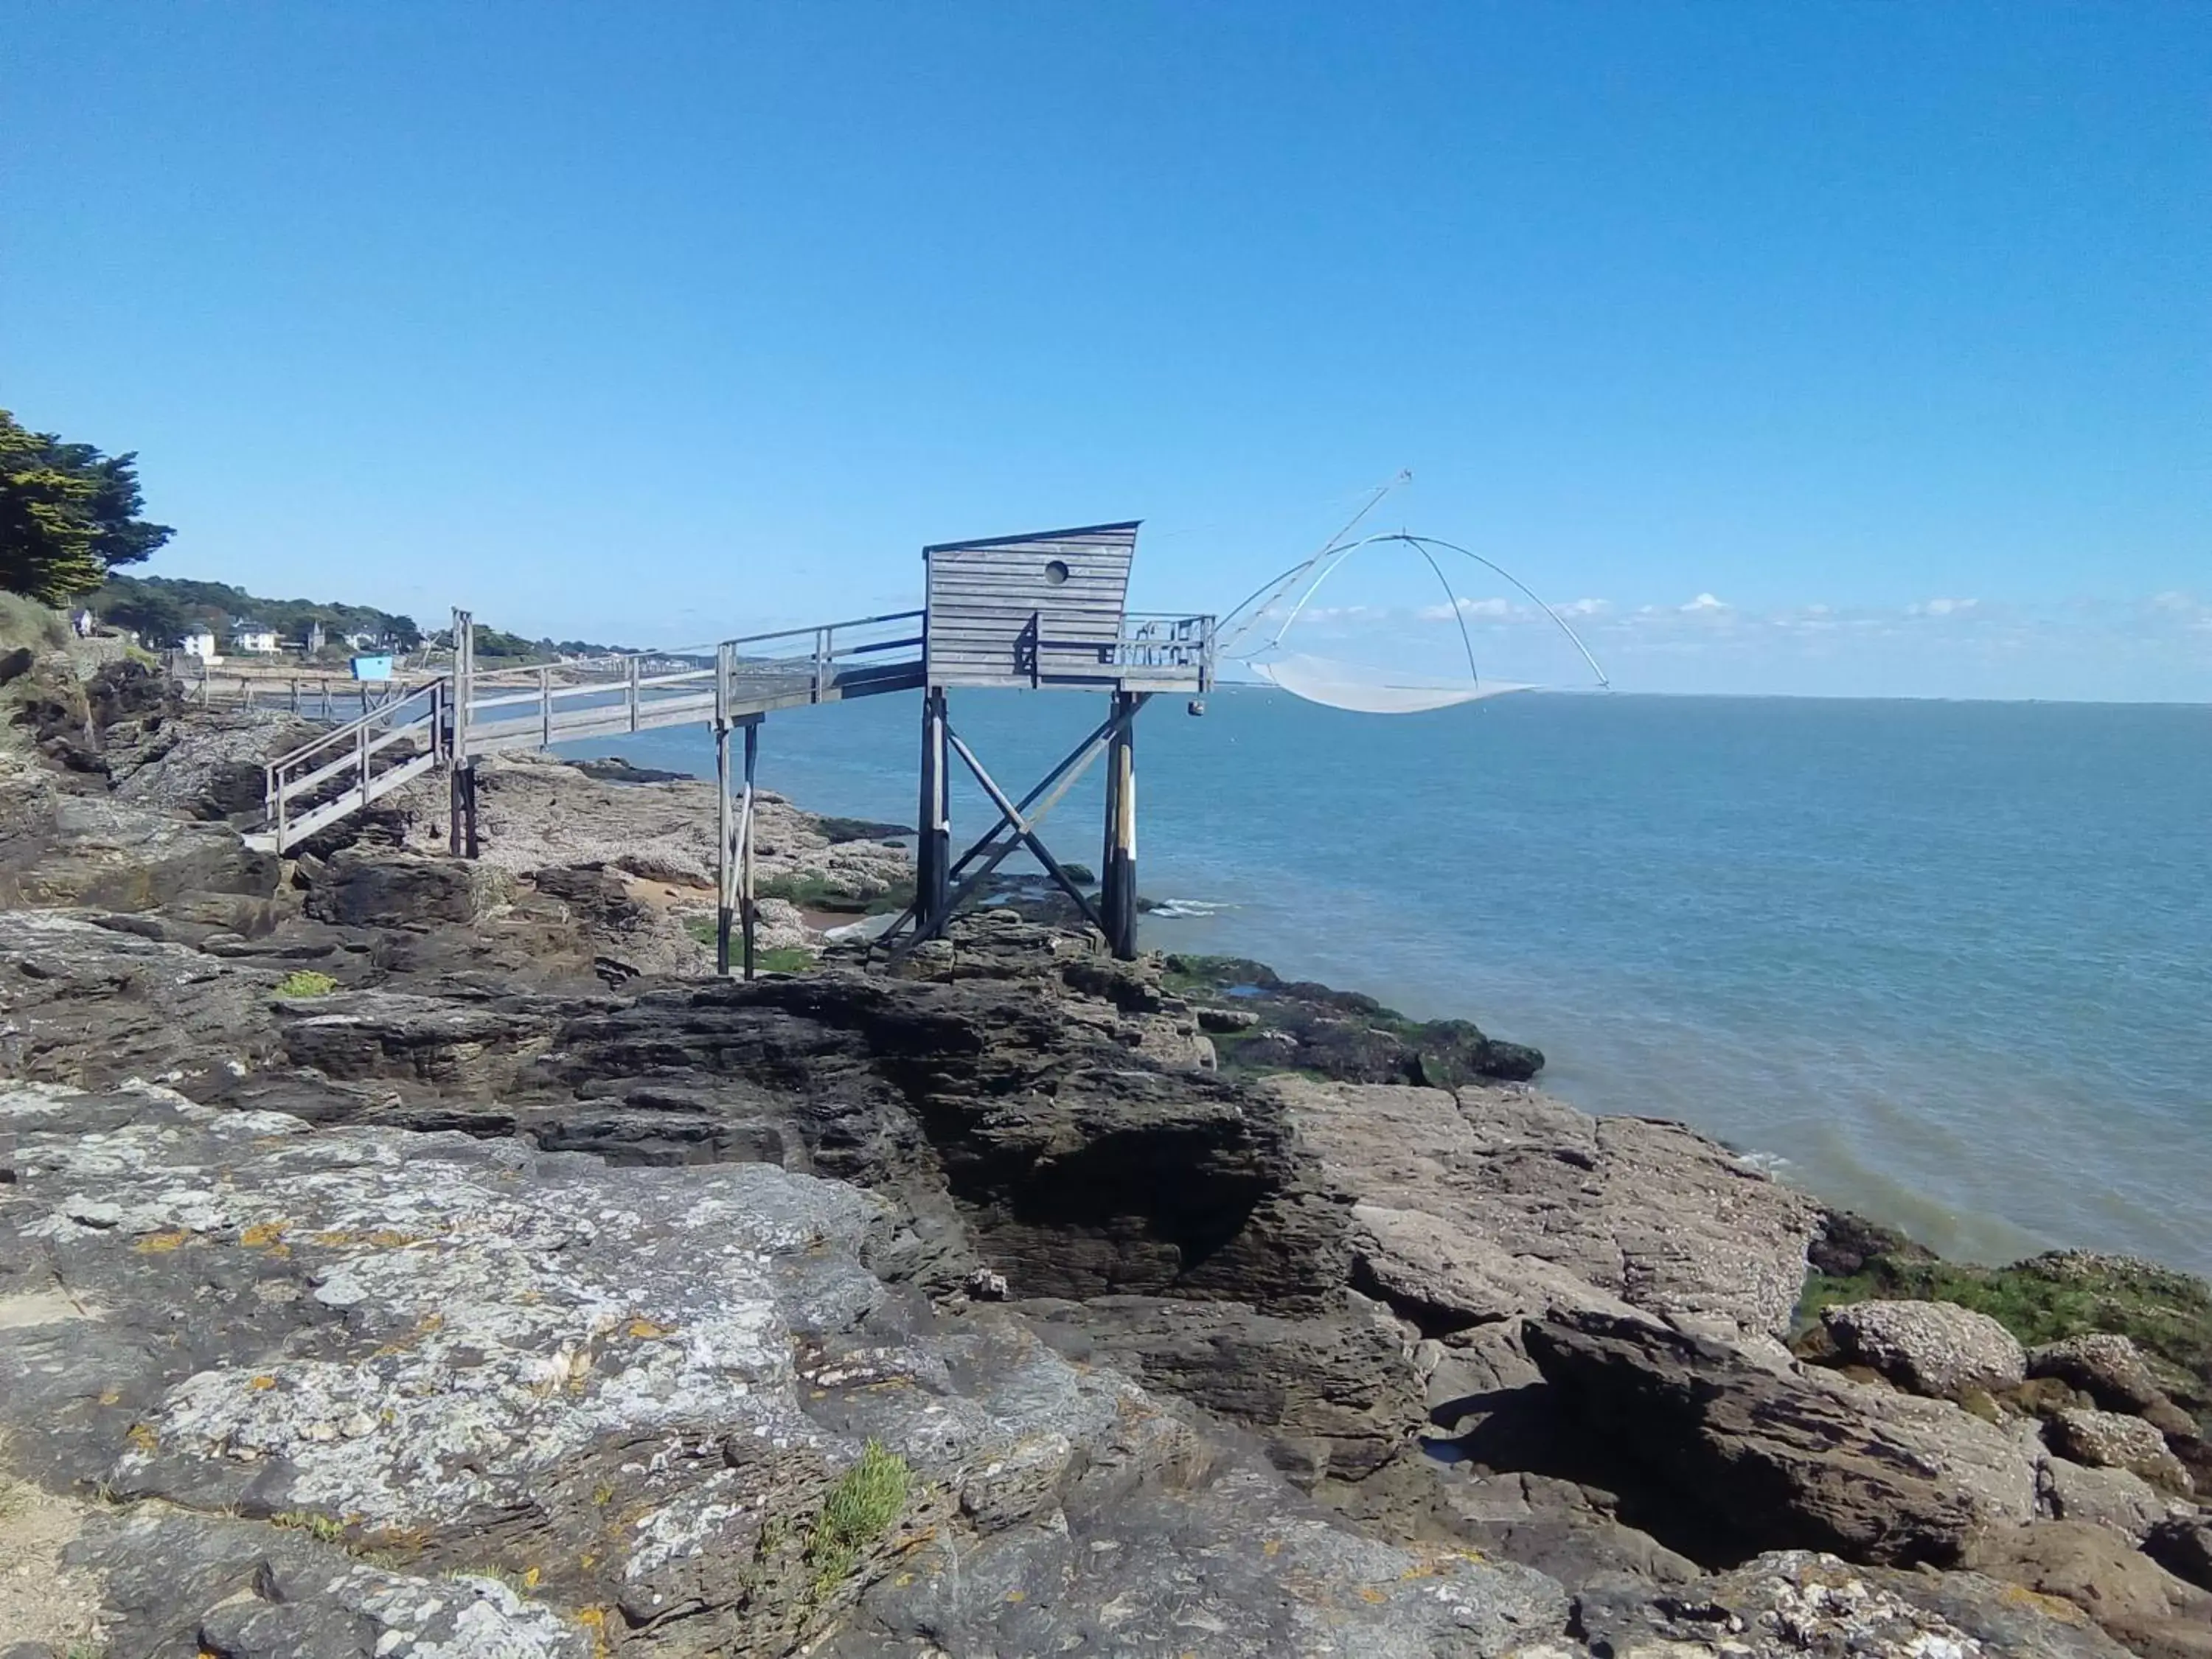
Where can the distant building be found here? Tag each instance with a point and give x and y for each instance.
(200, 643)
(254, 640)
(315, 637)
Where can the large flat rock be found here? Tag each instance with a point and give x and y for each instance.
(1521, 1189)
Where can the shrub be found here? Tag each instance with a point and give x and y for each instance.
(305, 982)
(26, 621)
(860, 1507)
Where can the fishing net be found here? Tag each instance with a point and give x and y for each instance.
(1365, 690)
(1254, 634)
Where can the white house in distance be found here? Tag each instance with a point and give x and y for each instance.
(200, 643)
(254, 640)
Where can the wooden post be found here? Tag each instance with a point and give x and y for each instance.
(933, 846)
(724, 874)
(461, 832)
(748, 913)
(1106, 885)
(464, 670)
(468, 777)
(1118, 890)
(296, 694)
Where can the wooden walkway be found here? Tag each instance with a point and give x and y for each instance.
(455, 718)
(470, 713)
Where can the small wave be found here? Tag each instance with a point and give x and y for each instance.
(1769, 1164)
(1178, 909)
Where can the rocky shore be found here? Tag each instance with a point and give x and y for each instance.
(406, 1257)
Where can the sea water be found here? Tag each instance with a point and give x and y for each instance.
(1948, 963)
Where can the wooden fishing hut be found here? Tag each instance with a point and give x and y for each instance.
(1045, 612)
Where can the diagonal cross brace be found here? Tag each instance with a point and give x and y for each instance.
(1010, 815)
(1058, 782)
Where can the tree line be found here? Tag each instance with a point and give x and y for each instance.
(162, 609)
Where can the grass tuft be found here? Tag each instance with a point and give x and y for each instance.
(305, 982)
(327, 1529)
(783, 959)
(860, 1507)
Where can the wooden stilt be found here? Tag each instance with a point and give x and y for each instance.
(748, 911)
(933, 849)
(1106, 887)
(724, 872)
(461, 834)
(1119, 880)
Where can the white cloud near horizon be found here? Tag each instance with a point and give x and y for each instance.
(2155, 647)
(1494, 608)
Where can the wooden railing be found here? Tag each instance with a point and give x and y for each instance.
(311, 696)
(1161, 640)
(473, 712)
(604, 696)
(337, 774)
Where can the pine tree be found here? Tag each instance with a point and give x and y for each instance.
(68, 514)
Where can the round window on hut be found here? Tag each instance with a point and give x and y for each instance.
(1056, 572)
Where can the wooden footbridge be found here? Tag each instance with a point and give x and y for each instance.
(1044, 611)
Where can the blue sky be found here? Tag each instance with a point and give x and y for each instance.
(1883, 328)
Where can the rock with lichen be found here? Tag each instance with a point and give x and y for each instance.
(363, 1390)
(2113, 1440)
(1790, 1603)
(1935, 1348)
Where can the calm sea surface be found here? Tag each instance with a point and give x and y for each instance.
(1950, 963)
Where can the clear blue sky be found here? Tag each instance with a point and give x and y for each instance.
(660, 321)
